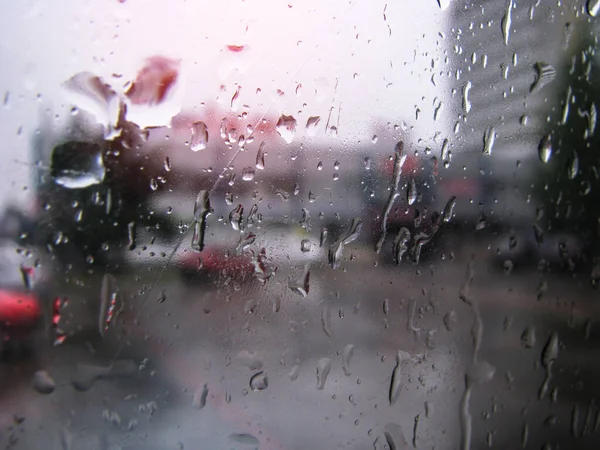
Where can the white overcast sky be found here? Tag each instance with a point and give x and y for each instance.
(311, 42)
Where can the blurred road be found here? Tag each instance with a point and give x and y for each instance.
(197, 346)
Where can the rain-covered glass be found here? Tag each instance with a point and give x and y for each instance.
(312, 224)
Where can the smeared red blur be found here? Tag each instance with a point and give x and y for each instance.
(20, 313)
(154, 81)
(235, 48)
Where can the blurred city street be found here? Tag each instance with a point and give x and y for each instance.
(196, 350)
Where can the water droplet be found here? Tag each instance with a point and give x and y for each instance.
(248, 174)
(394, 437)
(311, 125)
(282, 194)
(305, 245)
(202, 210)
(200, 397)
(573, 166)
(323, 369)
(131, 236)
(450, 320)
(311, 197)
(411, 192)
(43, 382)
(77, 165)
(401, 244)
(286, 127)
(305, 220)
(109, 302)
(445, 151)
(301, 285)
(396, 379)
(449, 209)
(545, 149)
(326, 322)
(320, 165)
(244, 242)
(506, 22)
(260, 157)
(245, 439)
(229, 198)
(293, 373)
(550, 351)
(259, 382)
(544, 74)
(399, 160)
(199, 139)
(480, 372)
(351, 234)
(466, 103)
(528, 337)
(593, 7)
(235, 99)
(347, 354)
(323, 237)
(86, 375)
(489, 137)
(236, 217)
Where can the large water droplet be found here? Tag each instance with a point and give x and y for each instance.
(449, 209)
(347, 354)
(260, 157)
(200, 397)
(86, 375)
(480, 372)
(311, 125)
(326, 322)
(545, 149)
(506, 22)
(77, 165)
(199, 140)
(593, 7)
(544, 74)
(489, 138)
(323, 369)
(92, 94)
(305, 246)
(394, 437)
(399, 160)
(573, 166)
(396, 379)
(202, 210)
(259, 382)
(351, 234)
(301, 285)
(401, 244)
(248, 173)
(236, 217)
(411, 192)
(466, 102)
(43, 382)
(245, 439)
(550, 351)
(286, 127)
(110, 302)
(528, 337)
(131, 236)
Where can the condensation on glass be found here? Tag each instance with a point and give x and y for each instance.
(287, 225)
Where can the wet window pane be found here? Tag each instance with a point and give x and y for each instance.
(286, 225)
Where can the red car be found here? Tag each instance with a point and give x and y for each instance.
(20, 315)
